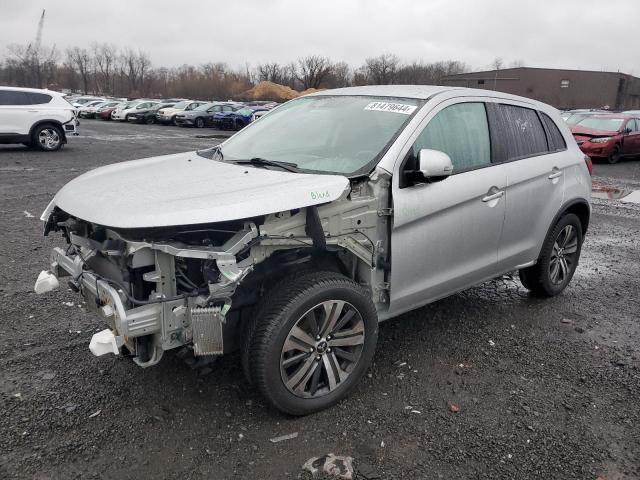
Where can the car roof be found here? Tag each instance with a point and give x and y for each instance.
(421, 92)
(32, 90)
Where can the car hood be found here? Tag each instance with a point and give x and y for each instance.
(591, 132)
(185, 189)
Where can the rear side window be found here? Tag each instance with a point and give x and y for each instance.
(555, 138)
(517, 133)
(462, 132)
(39, 98)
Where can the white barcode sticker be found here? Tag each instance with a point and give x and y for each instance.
(391, 107)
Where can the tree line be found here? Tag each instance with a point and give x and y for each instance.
(106, 69)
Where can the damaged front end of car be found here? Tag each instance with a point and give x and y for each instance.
(161, 288)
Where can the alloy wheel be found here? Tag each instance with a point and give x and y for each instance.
(322, 349)
(563, 255)
(49, 138)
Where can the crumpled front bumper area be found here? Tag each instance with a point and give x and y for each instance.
(167, 319)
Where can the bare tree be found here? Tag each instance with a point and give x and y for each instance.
(105, 56)
(517, 63)
(313, 70)
(381, 70)
(497, 63)
(134, 65)
(271, 72)
(33, 64)
(339, 76)
(81, 59)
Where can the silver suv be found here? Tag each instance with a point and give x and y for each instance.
(295, 237)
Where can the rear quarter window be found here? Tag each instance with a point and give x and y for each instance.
(554, 137)
(516, 132)
(39, 98)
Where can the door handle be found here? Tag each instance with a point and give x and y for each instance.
(555, 174)
(493, 196)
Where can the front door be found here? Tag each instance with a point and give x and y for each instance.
(445, 235)
(631, 143)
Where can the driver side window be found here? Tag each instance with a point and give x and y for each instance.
(462, 132)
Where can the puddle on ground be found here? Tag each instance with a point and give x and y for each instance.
(610, 193)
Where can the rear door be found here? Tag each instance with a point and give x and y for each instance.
(531, 148)
(17, 113)
(445, 234)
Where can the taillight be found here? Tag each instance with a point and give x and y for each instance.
(589, 163)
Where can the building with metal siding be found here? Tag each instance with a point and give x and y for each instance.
(564, 89)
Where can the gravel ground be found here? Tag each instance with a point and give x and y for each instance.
(545, 388)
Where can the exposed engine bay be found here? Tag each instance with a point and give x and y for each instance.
(160, 288)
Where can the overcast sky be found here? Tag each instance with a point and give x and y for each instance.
(584, 34)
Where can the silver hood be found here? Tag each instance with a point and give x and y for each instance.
(186, 189)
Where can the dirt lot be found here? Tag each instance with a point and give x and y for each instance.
(546, 388)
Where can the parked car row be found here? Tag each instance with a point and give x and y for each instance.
(180, 112)
(606, 136)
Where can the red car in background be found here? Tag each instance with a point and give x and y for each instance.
(608, 137)
(105, 112)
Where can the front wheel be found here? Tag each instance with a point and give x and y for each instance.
(615, 156)
(47, 137)
(199, 122)
(311, 340)
(558, 259)
(150, 120)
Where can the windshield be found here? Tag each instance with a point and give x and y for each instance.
(576, 117)
(333, 134)
(602, 123)
(180, 105)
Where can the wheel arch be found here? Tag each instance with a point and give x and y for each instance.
(580, 208)
(48, 121)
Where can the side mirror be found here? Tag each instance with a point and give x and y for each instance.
(434, 165)
(627, 131)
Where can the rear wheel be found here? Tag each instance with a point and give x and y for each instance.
(47, 137)
(311, 340)
(558, 259)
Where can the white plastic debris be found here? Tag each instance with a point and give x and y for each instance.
(492, 343)
(46, 282)
(68, 304)
(281, 438)
(330, 464)
(27, 214)
(95, 414)
(104, 342)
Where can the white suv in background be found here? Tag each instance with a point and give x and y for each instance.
(34, 117)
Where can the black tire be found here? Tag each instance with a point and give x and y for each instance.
(539, 278)
(47, 137)
(282, 309)
(150, 120)
(239, 125)
(199, 122)
(615, 155)
(174, 121)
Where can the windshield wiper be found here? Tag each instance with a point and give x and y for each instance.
(290, 167)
